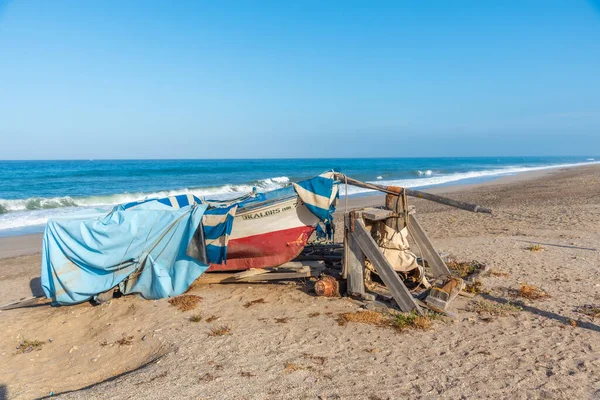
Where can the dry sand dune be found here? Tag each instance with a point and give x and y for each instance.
(290, 345)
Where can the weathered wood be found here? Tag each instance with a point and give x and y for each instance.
(376, 214)
(446, 313)
(434, 260)
(448, 202)
(344, 274)
(355, 260)
(415, 193)
(25, 302)
(216, 277)
(394, 203)
(390, 278)
(251, 272)
(293, 270)
(303, 272)
(300, 264)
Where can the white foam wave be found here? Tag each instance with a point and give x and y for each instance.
(450, 178)
(40, 203)
(426, 173)
(36, 211)
(14, 214)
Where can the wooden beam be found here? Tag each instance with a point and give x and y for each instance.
(251, 272)
(355, 264)
(24, 302)
(392, 202)
(432, 257)
(348, 226)
(376, 214)
(291, 270)
(276, 276)
(415, 193)
(391, 279)
(208, 278)
(448, 202)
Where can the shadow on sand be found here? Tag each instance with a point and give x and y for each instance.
(559, 245)
(545, 314)
(35, 285)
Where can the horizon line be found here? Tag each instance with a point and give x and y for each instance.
(285, 158)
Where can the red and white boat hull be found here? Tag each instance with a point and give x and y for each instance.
(268, 236)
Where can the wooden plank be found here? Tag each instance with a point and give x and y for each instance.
(297, 270)
(347, 225)
(301, 264)
(376, 214)
(355, 260)
(212, 277)
(215, 277)
(25, 302)
(391, 279)
(251, 272)
(434, 260)
(394, 203)
(303, 272)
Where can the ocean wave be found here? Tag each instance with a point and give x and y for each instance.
(224, 191)
(35, 211)
(436, 180)
(426, 173)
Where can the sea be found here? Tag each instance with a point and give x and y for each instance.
(31, 192)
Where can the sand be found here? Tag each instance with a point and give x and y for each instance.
(291, 346)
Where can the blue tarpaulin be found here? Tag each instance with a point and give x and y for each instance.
(84, 257)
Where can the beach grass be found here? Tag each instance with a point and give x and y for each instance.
(535, 248)
(196, 318)
(185, 302)
(490, 308)
(254, 302)
(532, 292)
(220, 330)
(464, 269)
(27, 346)
(414, 320)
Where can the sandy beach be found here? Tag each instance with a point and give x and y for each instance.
(290, 345)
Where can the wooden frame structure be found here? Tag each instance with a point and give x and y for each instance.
(358, 244)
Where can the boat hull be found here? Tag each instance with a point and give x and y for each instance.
(268, 236)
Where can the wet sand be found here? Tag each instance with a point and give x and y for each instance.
(291, 346)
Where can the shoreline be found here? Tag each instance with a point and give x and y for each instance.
(31, 243)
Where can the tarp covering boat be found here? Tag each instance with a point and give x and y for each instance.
(82, 258)
(147, 247)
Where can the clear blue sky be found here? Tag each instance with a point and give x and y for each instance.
(192, 79)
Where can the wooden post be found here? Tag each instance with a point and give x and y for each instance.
(438, 265)
(394, 203)
(391, 279)
(355, 262)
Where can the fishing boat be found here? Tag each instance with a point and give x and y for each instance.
(270, 229)
(268, 234)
